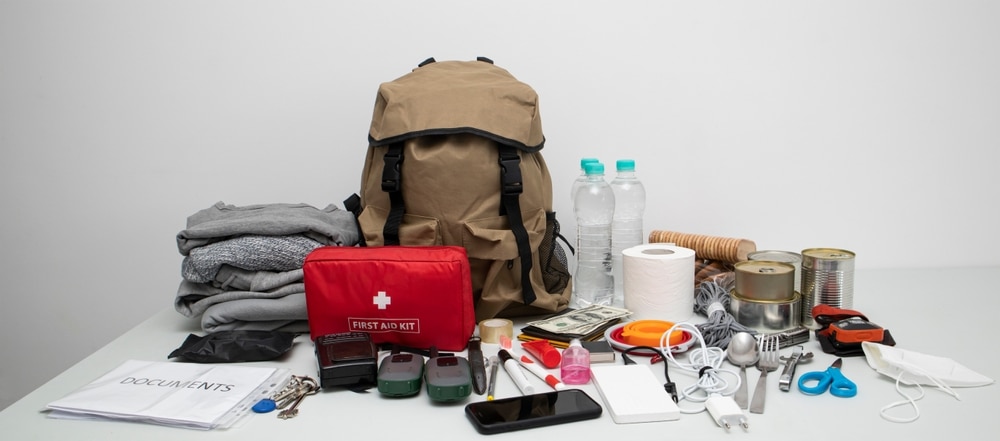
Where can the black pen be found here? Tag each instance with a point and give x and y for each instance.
(513, 369)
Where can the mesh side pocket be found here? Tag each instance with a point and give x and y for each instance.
(552, 257)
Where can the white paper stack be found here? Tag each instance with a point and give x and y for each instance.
(189, 395)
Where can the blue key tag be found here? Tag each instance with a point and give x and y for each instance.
(264, 406)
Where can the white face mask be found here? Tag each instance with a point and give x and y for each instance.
(914, 368)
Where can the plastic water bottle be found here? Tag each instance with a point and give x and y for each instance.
(575, 366)
(577, 184)
(581, 179)
(626, 229)
(595, 209)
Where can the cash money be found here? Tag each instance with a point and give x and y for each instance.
(581, 321)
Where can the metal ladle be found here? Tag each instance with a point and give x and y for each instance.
(742, 351)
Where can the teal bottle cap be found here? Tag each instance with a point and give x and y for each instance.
(594, 168)
(625, 165)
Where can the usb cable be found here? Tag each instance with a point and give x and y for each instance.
(669, 386)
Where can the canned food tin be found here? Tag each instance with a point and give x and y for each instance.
(795, 259)
(765, 280)
(766, 316)
(827, 278)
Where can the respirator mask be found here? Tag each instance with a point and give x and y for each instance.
(917, 369)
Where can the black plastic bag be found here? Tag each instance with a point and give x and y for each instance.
(234, 346)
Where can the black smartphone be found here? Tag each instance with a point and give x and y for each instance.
(530, 411)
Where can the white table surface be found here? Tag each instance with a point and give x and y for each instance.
(943, 312)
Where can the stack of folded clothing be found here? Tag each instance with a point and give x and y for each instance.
(242, 267)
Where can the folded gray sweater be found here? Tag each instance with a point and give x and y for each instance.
(251, 253)
(329, 226)
(283, 307)
(285, 313)
(243, 265)
(193, 299)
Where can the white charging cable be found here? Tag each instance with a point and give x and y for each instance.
(703, 361)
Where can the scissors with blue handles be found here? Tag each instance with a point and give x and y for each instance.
(831, 379)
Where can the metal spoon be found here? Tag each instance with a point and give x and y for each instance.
(742, 351)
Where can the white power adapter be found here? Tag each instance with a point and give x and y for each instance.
(726, 412)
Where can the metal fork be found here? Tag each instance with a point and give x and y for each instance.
(767, 362)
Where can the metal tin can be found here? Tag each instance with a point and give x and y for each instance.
(827, 278)
(795, 259)
(766, 316)
(765, 280)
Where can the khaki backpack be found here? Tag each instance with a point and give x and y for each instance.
(454, 159)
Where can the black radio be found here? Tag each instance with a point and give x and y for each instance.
(346, 359)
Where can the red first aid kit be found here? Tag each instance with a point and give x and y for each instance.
(407, 295)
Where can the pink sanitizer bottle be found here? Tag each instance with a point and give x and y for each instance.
(575, 367)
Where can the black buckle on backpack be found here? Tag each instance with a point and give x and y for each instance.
(510, 173)
(390, 172)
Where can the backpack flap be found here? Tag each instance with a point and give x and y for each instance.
(448, 97)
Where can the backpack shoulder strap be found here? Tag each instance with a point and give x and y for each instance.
(392, 178)
(353, 204)
(511, 186)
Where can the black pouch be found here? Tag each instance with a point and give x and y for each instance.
(826, 315)
(234, 346)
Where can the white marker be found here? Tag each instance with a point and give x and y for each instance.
(514, 370)
(549, 379)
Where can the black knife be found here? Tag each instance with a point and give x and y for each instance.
(478, 364)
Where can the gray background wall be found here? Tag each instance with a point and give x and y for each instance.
(865, 125)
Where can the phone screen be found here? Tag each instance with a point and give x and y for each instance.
(529, 411)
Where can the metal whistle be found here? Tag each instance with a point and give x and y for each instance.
(788, 372)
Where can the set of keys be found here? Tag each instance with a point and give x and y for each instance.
(288, 399)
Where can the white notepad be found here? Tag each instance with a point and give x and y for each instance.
(633, 394)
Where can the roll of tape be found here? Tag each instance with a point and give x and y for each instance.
(490, 330)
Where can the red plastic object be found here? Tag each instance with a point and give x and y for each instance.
(544, 352)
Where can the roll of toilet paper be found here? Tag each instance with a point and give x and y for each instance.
(659, 282)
